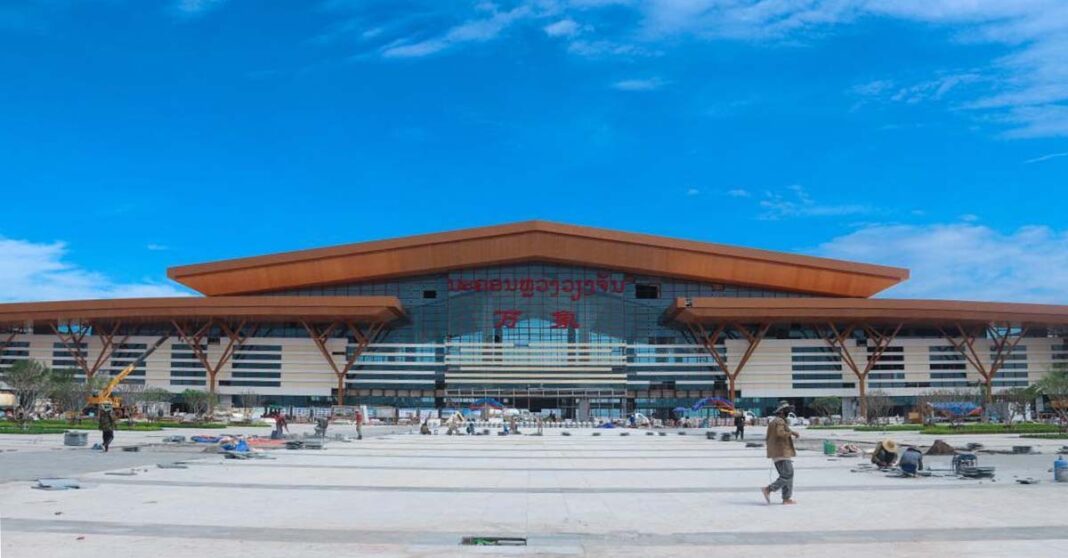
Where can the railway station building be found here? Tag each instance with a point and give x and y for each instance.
(542, 316)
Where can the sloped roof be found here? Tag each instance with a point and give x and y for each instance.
(538, 241)
(885, 310)
(360, 309)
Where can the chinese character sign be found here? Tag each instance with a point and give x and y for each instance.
(506, 318)
(564, 319)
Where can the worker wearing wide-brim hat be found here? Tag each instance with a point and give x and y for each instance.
(885, 454)
(106, 423)
(780, 445)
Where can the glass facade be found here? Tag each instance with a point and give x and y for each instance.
(535, 303)
(536, 330)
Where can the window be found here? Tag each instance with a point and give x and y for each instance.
(430, 294)
(646, 291)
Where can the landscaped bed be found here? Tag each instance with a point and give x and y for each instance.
(52, 426)
(946, 429)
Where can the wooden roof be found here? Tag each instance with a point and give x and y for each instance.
(361, 309)
(812, 309)
(538, 241)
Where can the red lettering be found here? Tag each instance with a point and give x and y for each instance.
(564, 319)
(506, 318)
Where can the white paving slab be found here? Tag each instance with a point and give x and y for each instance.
(579, 495)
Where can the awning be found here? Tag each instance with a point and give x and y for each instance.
(362, 309)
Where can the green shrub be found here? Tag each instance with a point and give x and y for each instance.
(60, 426)
(891, 428)
(981, 428)
(30, 429)
(119, 425)
(214, 425)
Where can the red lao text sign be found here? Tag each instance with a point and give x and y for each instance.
(575, 289)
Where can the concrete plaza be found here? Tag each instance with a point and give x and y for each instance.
(399, 494)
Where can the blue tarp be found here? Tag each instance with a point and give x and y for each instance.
(717, 402)
(240, 445)
(487, 402)
(957, 409)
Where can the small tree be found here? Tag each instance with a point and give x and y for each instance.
(1015, 400)
(827, 406)
(199, 401)
(250, 401)
(131, 396)
(154, 395)
(29, 379)
(70, 394)
(878, 406)
(1054, 385)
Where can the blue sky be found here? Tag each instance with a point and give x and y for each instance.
(141, 134)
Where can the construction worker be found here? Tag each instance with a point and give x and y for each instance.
(106, 423)
(739, 425)
(911, 461)
(780, 443)
(885, 454)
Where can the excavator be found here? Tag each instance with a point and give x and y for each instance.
(104, 396)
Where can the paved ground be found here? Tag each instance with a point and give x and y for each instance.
(409, 495)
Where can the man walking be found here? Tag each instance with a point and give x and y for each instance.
(739, 425)
(106, 423)
(780, 442)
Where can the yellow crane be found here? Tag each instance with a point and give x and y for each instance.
(104, 396)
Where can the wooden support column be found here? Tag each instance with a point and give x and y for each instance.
(752, 334)
(7, 339)
(362, 338)
(108, 346)
(72, 341)
(235, 335)
(1004, 342)
(838, 339)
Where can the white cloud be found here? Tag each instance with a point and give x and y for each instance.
(1046, 157)
(969, 217)
(738, 193)
(651, 84)
(156, 247)
(562, 28)
(606, 48)
(692, 192)
(32, 271)
(475, 30)
(197, 7)
(1025, 89)
(965, 261)
(1037, 121)
(796, 202)
(935, 89)
(873, 88)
